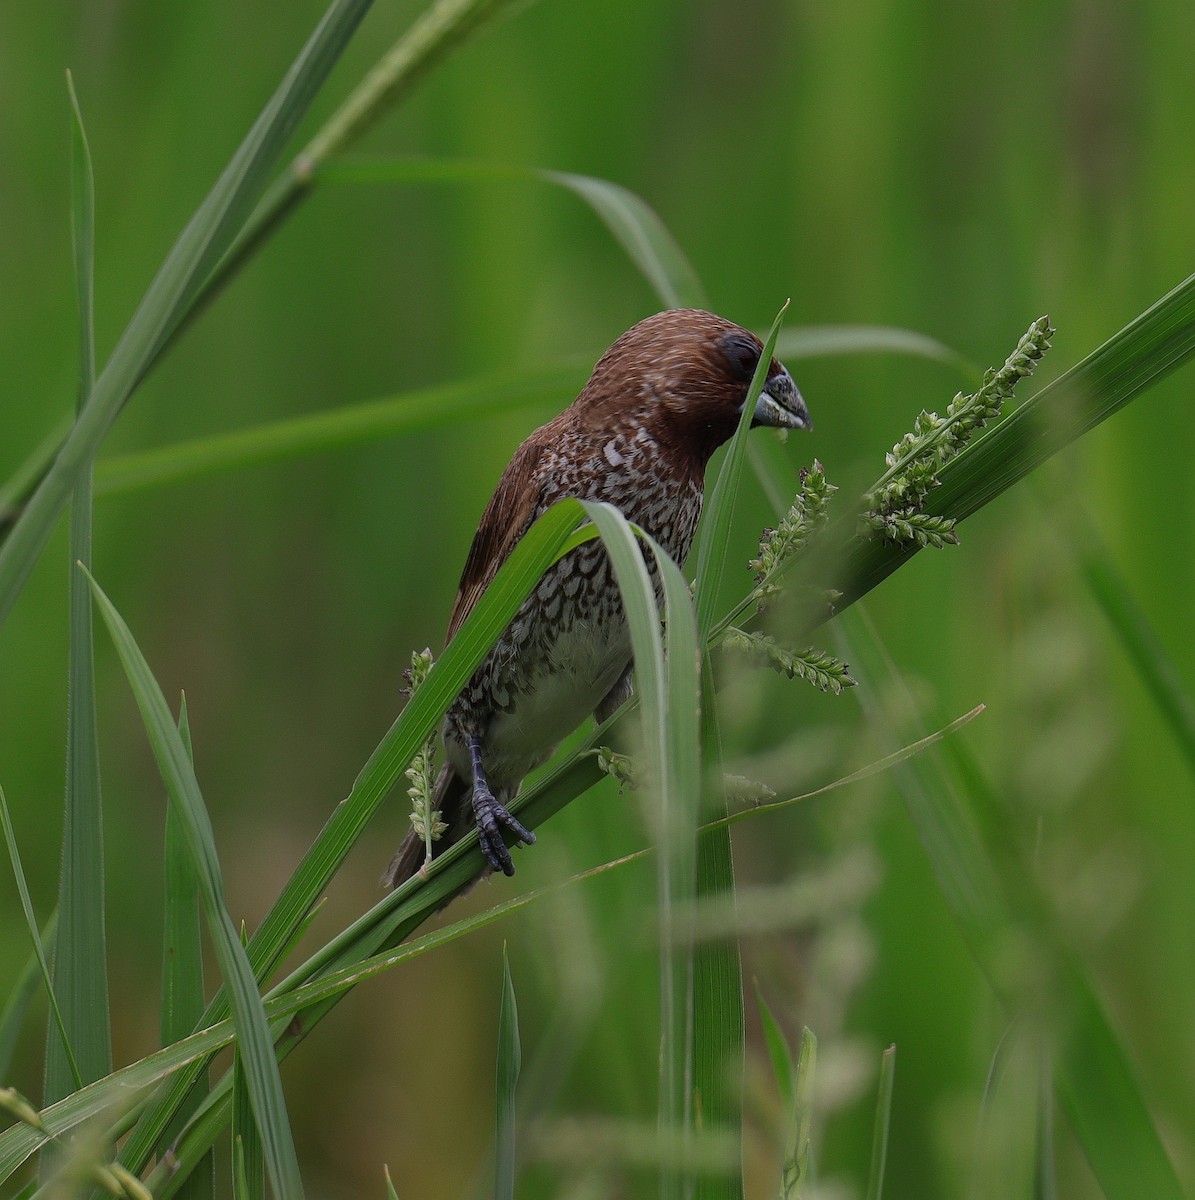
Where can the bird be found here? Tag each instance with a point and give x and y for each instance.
(639, 435)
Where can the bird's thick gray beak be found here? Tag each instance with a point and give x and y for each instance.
(780, 405)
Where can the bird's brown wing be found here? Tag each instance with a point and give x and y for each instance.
(509, 514)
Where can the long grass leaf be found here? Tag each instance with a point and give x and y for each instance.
(199, 247)
(1154, 665)
(440, 30)
(248, 1161)
(718, 1026)
(182, 968)
(717, 1031)
(348, 425)
(711, 548)
(254, 1041)
(641, 233)
(80, 959)
(635, 226)
(510, 1061)
(883, 1121)
(306, 993)
(536, 551)
(667, 683)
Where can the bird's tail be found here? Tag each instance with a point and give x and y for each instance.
(451, 799)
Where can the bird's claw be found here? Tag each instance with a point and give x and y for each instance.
(491, 817)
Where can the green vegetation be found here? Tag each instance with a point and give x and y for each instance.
(292, 437)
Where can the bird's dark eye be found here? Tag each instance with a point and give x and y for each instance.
(742, 353)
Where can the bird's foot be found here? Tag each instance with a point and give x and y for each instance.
(491, 818)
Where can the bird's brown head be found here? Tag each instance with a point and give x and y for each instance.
(683, 375)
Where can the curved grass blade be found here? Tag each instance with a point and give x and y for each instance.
(248, 1162)
(12, 1018)
(306, 989)
(633, 223)
(18, 872)
(80, 959)
(1154, 665)
(711, 549)
(641, 233)
(200, 246)
(536, 551)
(718, 1026)
(182, 970)
(254, 1042)
(510, 1061)
(441, 29)
(667, 683)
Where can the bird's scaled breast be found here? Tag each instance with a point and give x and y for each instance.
(559, 692)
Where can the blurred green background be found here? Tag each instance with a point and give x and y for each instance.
(955, 169)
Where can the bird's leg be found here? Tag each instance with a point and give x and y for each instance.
(491, 816)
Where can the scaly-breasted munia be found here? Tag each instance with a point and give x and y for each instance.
(660, 401)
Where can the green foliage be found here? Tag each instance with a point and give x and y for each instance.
(525, 291)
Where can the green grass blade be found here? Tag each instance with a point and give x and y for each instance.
(536, 551)
(1154, 665)
(641, 233)
(348, 425)
(879, 1137)
(716, 519)
(510, 1061)
(441, 29)
(667, 684)
(93, 1101)
(80, 959)
(12, 1017)
(200, 246)
(633, 223)
(248, 1161)
(182, 969)
(10, 840)
(254, 1041)
(718, 1026)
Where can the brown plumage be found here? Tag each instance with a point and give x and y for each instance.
(660, 401)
